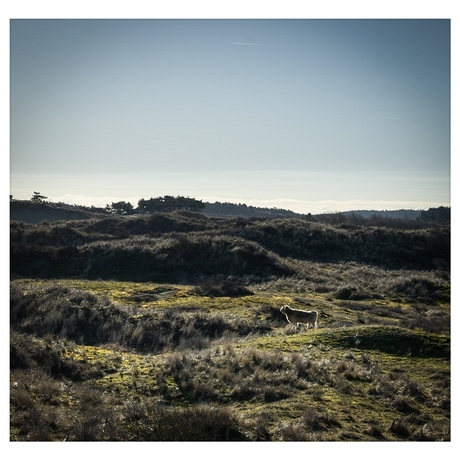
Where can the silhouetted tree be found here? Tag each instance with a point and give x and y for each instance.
(38, 198)
(169, 203)
(121, 207)
(441, 214)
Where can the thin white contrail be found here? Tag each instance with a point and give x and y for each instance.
(248, 44)
(371, 116)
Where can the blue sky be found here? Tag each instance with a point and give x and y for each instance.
(313, 115)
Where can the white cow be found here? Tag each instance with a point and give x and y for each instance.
(296, 317)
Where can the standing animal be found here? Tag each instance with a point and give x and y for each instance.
(296, 317)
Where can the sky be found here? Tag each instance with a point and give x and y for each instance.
(310, 115)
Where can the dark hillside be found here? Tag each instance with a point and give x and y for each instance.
(184, 245)
(385, 247)
(174, 258)
(33, 213)
(154, 224)
(243, 210)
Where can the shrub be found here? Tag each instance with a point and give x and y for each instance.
(402, 404)
(27, 353)
(292, 432)
(315, 420)
(194, 423)
(400, 429)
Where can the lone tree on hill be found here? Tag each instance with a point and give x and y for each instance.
(38, 198)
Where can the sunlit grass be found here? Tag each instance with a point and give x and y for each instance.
(349, 379)
(127, 373)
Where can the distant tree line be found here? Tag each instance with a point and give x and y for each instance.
(243, 210)
(440, 214)
(391, 219)
(169, 203)
(160, 204)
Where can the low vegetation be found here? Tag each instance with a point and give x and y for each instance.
(167, 328)
(184, 246)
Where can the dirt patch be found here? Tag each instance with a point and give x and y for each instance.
(159, 293)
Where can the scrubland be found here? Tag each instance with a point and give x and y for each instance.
(167, 328)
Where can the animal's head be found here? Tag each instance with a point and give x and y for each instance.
(284, 308)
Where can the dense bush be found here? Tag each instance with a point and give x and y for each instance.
(193, 423)
(29, 353)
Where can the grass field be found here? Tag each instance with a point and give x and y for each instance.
(364, 374)
(167, 327)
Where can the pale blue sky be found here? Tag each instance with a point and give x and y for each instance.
(364, 100)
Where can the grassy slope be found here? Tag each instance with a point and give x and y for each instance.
(194, 331)
(351, 382)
